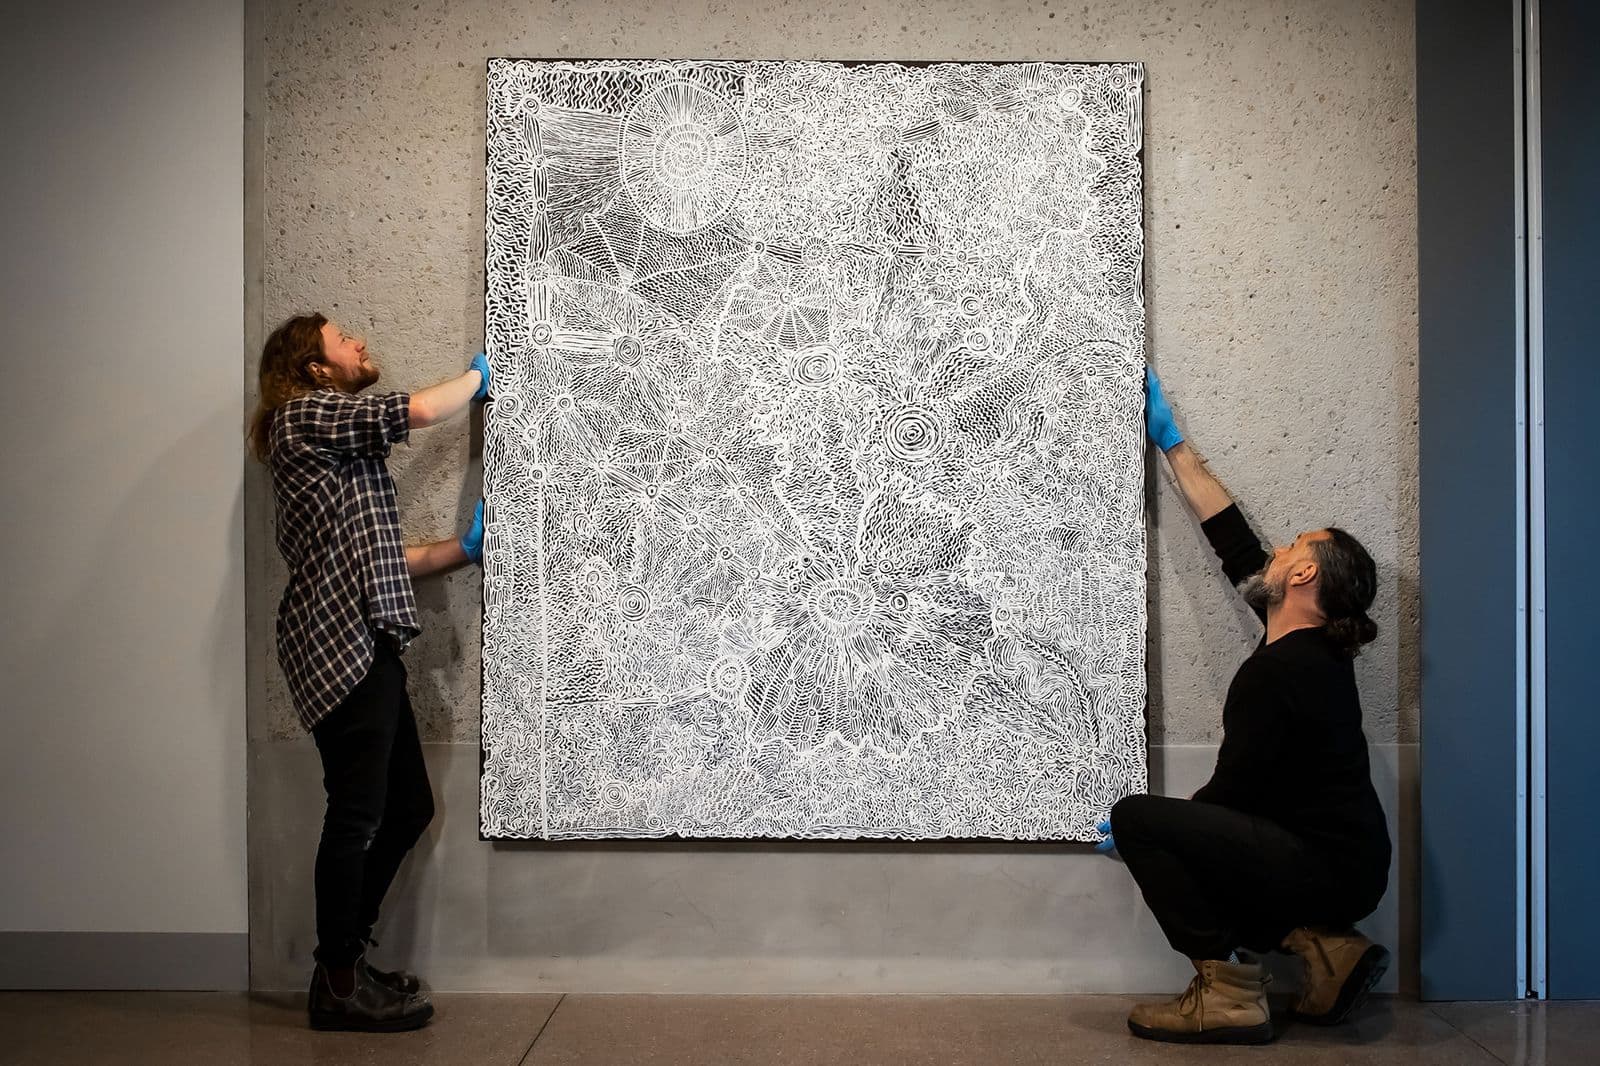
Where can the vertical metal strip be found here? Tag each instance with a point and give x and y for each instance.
(1520, 209)
(1538, 896)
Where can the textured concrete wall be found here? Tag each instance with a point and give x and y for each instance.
(1281, 279)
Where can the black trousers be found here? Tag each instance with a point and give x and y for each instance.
(1217, 879)
(379, 803)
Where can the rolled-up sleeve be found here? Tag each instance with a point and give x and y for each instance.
(342, 424)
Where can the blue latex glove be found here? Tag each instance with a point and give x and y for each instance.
(480, 363)
(1158, 420)
(472, 539)
(1107, 846)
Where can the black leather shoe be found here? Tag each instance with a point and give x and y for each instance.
(402, 981)
(371, 1007)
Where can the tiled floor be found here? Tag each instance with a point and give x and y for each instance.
(85, 1029)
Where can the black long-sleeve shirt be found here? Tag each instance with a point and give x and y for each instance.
(1292, 746)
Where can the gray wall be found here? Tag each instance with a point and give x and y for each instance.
(1281, 279)
(122, 797)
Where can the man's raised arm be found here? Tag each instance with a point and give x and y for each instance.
(442, 402)
(1201, 489)
(1236, 545)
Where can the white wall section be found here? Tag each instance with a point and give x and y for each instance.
(121, 454)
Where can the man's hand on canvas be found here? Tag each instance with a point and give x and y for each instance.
(1108, 846)
(480, 363)
(1158, 419)
(472, 539)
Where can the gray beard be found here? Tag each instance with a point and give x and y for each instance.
(1258, 593)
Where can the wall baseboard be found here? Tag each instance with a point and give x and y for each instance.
(154, 961)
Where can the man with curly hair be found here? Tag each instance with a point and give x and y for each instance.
(345, 617)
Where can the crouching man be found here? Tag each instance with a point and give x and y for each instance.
(1286, 846)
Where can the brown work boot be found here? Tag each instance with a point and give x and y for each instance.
(1226, 1003)
(1340, 969)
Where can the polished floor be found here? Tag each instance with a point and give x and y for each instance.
(132, 1029)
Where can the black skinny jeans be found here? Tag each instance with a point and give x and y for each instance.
(379, 804)
(1217, 879)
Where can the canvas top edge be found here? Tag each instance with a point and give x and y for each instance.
(581, 64)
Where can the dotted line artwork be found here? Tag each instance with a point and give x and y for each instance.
(814, 468)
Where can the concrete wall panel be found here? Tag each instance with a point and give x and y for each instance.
(1281, 285)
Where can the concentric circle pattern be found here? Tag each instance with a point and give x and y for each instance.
(912, 434)
(683, 156)
(633, 603)
(628, 351)
(815, 367)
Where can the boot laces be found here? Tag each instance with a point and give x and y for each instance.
(1189, 1002)
(1322, 953)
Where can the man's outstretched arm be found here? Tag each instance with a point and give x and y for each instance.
(442, 402)
(1204, 493)
(1237, 546)
(1207, 498)
(423, 560)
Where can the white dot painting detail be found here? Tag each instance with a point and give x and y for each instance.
(814, 467)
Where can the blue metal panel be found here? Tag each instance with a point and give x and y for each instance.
(1467, 145)
(1569, 34)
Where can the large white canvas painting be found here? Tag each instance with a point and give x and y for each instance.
(814, 465)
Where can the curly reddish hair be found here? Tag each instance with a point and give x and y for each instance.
(285, 373)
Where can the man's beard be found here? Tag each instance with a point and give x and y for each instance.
(363, 377)
(1260, 593)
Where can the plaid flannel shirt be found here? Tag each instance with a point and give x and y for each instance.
(339, 531)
